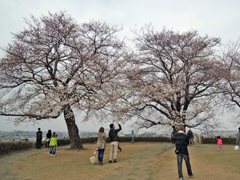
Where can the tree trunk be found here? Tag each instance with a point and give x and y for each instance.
(72, 128)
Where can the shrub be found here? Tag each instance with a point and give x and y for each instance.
(7, 147)
(128, 139)
(10, 146)
(214, 140)
(60, 142)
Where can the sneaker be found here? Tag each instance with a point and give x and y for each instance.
(110, 161)
(191, 175)
(115, 160)
(50, 154)
(53, 155)
(181, 178)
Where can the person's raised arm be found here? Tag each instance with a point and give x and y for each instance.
(119, 129)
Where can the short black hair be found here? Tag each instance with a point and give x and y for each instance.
(39, 128)
(101, 129)
(111, 125)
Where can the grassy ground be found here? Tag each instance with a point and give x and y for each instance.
(142, 161)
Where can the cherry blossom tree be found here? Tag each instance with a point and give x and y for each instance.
(230, 71)
(172, 80)
(56, 66)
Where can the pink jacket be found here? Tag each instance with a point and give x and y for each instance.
(219, 142)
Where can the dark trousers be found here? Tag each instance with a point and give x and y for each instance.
(39, 144)
(119, 147)
(173, 140)
(100, 154)
(52, 150)
(180, 158)
(48, 142)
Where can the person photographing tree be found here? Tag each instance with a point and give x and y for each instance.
(113, 135)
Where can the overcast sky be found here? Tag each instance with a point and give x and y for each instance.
(218, 18)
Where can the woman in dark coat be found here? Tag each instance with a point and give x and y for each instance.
(49, 135)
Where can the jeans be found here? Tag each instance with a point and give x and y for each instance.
(52, 150)
(179, 163)
(100, 154)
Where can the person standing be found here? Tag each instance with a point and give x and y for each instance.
(173, 137)
(182, 140)
(191, 137)
(238, 137)
(39, 138)
(132, 135)
(219, 143)
(120, 149)
(101, 145)
(113, 134)
(53, 144)
(49, 135)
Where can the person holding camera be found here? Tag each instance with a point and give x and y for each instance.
(182, 141)
(113, 134)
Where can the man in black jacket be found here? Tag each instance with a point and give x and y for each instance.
(113, 134)
(39, 138)
(182, 140)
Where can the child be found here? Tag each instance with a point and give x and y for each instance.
(53, 144)
(219, 143)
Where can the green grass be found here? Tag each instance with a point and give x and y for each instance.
(142, 161)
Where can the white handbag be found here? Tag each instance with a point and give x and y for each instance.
(236, 147)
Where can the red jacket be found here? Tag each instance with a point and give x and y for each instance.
(219, 142)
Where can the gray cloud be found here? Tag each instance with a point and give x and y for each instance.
(213, 17)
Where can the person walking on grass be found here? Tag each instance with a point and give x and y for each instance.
(132, 135)
(173, 137)
(53, 144)
(191, 137)
(219, 143)
(48, 136)
(39, 138)
(181, 141)
(101, 145)
(238, 137)
(113, 134)
(120, 149)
